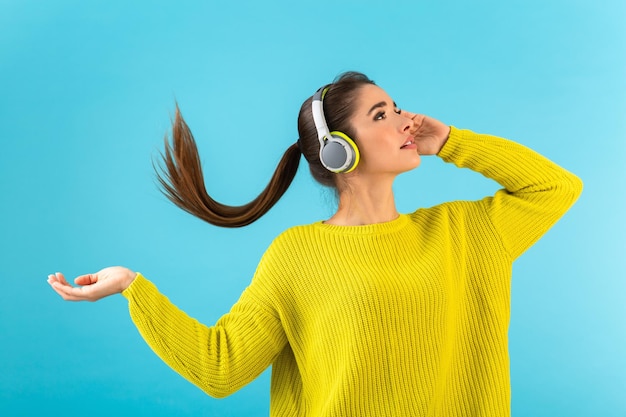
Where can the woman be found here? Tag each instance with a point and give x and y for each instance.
(370, 312)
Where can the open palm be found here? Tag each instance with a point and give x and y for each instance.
(92, 287)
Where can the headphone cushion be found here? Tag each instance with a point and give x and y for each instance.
(340, 153)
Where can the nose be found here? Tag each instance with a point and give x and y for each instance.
(406, 123)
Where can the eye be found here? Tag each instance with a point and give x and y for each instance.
(398, 110)
(380, 115)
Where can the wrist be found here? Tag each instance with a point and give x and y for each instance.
(129, 277)
(444, 139)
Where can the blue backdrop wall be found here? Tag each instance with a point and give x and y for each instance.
(87, 90)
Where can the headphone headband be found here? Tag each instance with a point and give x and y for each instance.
(323, 133)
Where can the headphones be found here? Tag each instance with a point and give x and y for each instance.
(338, 153)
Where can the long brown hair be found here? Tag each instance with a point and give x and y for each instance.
(182, 180)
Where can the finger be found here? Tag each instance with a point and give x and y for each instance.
(68, 292)
(59, 288)
(87, 279)
(419, 119)
(420, 124)
(61, 278)
(408, 114)
(55, 278)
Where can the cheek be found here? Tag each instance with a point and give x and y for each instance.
(367, 148)
(375, 155)
(368, 141)
(377, 145)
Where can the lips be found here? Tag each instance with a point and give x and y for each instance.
(409, 142)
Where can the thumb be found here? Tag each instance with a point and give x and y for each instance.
(86, 279)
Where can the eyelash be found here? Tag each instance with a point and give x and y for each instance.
(381, 115)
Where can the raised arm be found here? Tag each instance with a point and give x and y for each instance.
(537, 192)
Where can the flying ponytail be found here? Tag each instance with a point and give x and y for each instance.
(182, 181)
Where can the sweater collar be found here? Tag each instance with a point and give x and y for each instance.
(368, 229)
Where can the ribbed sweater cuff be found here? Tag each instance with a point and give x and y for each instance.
(452, 147)
(141, 288)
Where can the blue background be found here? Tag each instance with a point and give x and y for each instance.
(87, 90)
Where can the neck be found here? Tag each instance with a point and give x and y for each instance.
(362, 204)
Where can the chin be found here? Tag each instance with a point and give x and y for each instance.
(409, 168)
(415, 163)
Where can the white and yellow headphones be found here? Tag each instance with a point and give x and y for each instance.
(338, 153)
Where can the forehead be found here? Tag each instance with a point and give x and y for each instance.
(370, 95)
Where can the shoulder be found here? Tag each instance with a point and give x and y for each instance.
(294, 235)
(290, 245)
(459, 217)
(448, 210)
(285, 260)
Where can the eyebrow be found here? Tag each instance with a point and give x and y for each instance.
(380, 104)
(376, 106)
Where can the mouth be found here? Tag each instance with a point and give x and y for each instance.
(409, 142)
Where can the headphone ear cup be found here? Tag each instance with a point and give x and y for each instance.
(353, 150)
(340, 154)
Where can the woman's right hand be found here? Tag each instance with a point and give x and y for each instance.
(92, 287)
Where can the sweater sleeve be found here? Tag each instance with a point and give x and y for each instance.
(218, 359)
(536, 193)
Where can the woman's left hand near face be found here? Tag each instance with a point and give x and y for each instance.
(430, 134)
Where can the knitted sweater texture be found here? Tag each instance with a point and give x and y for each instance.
(404, 318)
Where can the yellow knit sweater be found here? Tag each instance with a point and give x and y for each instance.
(405, 318)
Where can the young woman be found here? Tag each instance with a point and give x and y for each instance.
(370, 312)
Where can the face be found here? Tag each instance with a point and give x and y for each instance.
(382, 134)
